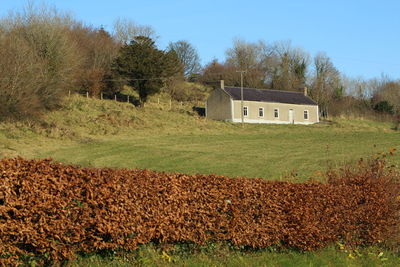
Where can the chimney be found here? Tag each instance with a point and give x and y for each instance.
(305, 91)
(222, 84)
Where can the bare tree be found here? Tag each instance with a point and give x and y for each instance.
(125, 31)
(20, 78)
(358, 87)
(326, 81)
(97, 50)
(43, 47)
(286, 66)
(188, 55)
(278, 66)
(246, 56)
(299, 62)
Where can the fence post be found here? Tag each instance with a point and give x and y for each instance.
(101, 95)
(128, 99)
(115, 97)
(170, 103)
(69, 93)
(87, 94)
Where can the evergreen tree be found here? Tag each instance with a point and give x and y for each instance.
(144, 67)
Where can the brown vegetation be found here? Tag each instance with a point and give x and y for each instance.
(180, 90)
(47, 53)
(38, 62)
(97, 50)
(44, 55)
(52, 211)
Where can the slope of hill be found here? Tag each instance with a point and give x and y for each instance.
(97, 133)
(106, 133)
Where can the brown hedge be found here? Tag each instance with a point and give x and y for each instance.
(53, 211)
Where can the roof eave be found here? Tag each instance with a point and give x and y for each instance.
(314, 104)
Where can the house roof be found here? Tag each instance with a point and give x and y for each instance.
(267, 95)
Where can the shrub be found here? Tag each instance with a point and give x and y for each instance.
(44, 55)
(187, 91)
(38, 63)
(384, 107)
(20, 79)
(52, 211)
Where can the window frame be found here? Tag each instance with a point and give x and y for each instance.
(262, 110)
(276, 112)
(245, 108)
(306, 111)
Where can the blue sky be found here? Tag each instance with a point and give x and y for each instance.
(361, 36)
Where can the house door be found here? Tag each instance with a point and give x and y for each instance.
(291, 115)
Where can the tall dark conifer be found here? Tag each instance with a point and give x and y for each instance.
(145, 67)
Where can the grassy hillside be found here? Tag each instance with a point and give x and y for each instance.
(92, 132)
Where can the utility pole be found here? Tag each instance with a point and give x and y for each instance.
(241, 94)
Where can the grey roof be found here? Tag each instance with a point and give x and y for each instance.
(267, 95)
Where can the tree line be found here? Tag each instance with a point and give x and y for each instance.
(46, 53)
(281, 66)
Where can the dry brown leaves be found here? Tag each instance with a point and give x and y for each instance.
(53, 211)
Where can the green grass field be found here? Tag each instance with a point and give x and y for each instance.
(94, 133)
(108, 134)
(272, 155)
(150, 256)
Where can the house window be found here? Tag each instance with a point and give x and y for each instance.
(276, 113)
(260, 112)
(245, 111)
(306, 114)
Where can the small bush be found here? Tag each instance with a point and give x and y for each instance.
(384, 107)
(187, 91)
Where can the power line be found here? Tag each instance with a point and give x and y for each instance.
(108, 80)
(241, 93)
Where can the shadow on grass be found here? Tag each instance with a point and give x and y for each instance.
(124, 98)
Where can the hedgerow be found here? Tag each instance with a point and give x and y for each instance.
(52, 211)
